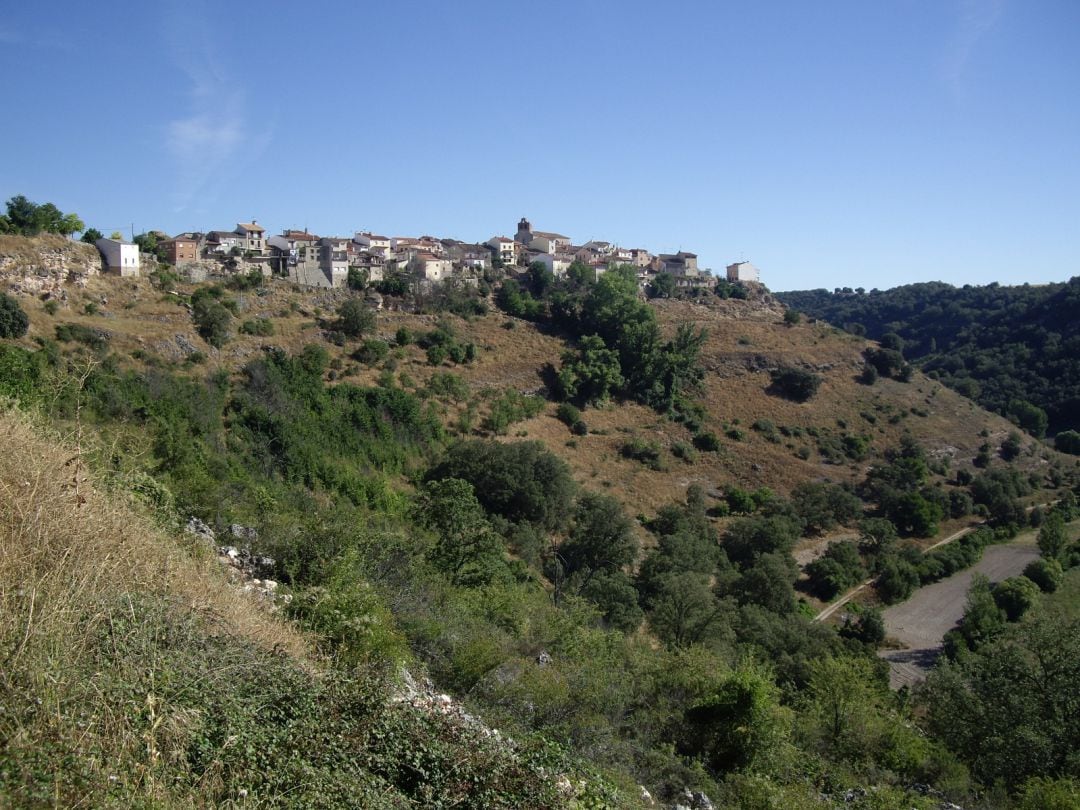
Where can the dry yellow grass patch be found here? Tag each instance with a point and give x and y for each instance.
(67, 547)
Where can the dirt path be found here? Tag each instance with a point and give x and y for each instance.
(847, 597)
(920, 623)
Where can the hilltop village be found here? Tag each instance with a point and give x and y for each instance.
(365, 258)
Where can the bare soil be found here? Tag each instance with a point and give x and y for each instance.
(919, 625)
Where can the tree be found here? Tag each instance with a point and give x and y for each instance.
(1030, 417)
(1047, 574)
(792, 317)
(662, 286)
(355, 318)
(769, 582)
(1011, 446)
(822, 505)
(212, 320)
(1053, 539)
(1011, 709)
(91, 235)
(13, 321)
(614, 594)
(467, 549)
(741, 726)
(591, 374)
(897, 581)
(684, 610)
(838, 569)
(519, 481)
(27, 218)
(1015, 596)
(600, 539)
(1068, 441)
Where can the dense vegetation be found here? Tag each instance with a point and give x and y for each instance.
(1014, 350)
(666, 649)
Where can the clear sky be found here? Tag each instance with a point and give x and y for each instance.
(832, 143)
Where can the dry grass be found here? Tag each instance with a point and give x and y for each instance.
(66, 545)
(746, 338)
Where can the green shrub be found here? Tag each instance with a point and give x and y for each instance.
(648, 453)
(261, 327)
(707, 441)
(795, 383)
(371, 352)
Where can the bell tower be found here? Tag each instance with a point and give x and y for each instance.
(524, 232)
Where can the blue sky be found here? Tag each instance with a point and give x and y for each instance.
(831, 143)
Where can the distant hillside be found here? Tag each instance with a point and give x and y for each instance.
(1004, 347)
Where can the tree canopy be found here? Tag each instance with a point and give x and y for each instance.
(26, 218)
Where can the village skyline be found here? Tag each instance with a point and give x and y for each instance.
(849, 144)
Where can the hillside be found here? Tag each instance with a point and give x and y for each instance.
(613, 583)
(135, 673)
(1008, 348)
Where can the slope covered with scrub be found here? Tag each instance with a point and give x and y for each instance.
(596, 549)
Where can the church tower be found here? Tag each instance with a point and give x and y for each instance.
(524, 232)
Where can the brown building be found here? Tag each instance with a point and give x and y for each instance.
(181, 248)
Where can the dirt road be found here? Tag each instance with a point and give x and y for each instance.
(921, 622)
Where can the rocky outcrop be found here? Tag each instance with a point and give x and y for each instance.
(250, 571)
(45, 265)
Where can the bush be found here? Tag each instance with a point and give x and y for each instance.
(355, 318)
(371, 352)
(571, 417)
(403, 337)
(13, 321)
(262, 327)
(795, 383)
(707, 441)
(1047, 574)
(1068, 441)
(648, 453)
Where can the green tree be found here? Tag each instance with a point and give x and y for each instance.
(212, 318)
(1053, 539)
(897, 580)
(600, 539)
(467, 549)
(1011, 709)
(1015, 596)
(13, 321)
(769, 582)
(792, 317)
(838, 569)
(91, 235)
(27, 218)
(741, 726)
(796, 384)
(355, 318)
(591, 374)
(822, 505)
(662, 286)
(519, 481)
(685, 612)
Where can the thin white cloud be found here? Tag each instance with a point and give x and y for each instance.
(213, 139)
(976, 19)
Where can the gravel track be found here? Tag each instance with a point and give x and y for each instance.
(921, 622)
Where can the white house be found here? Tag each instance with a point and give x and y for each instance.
(373, 242)
(432, 268)
(505, 248)
(556, 263)
(120, 256)
(742, 271)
